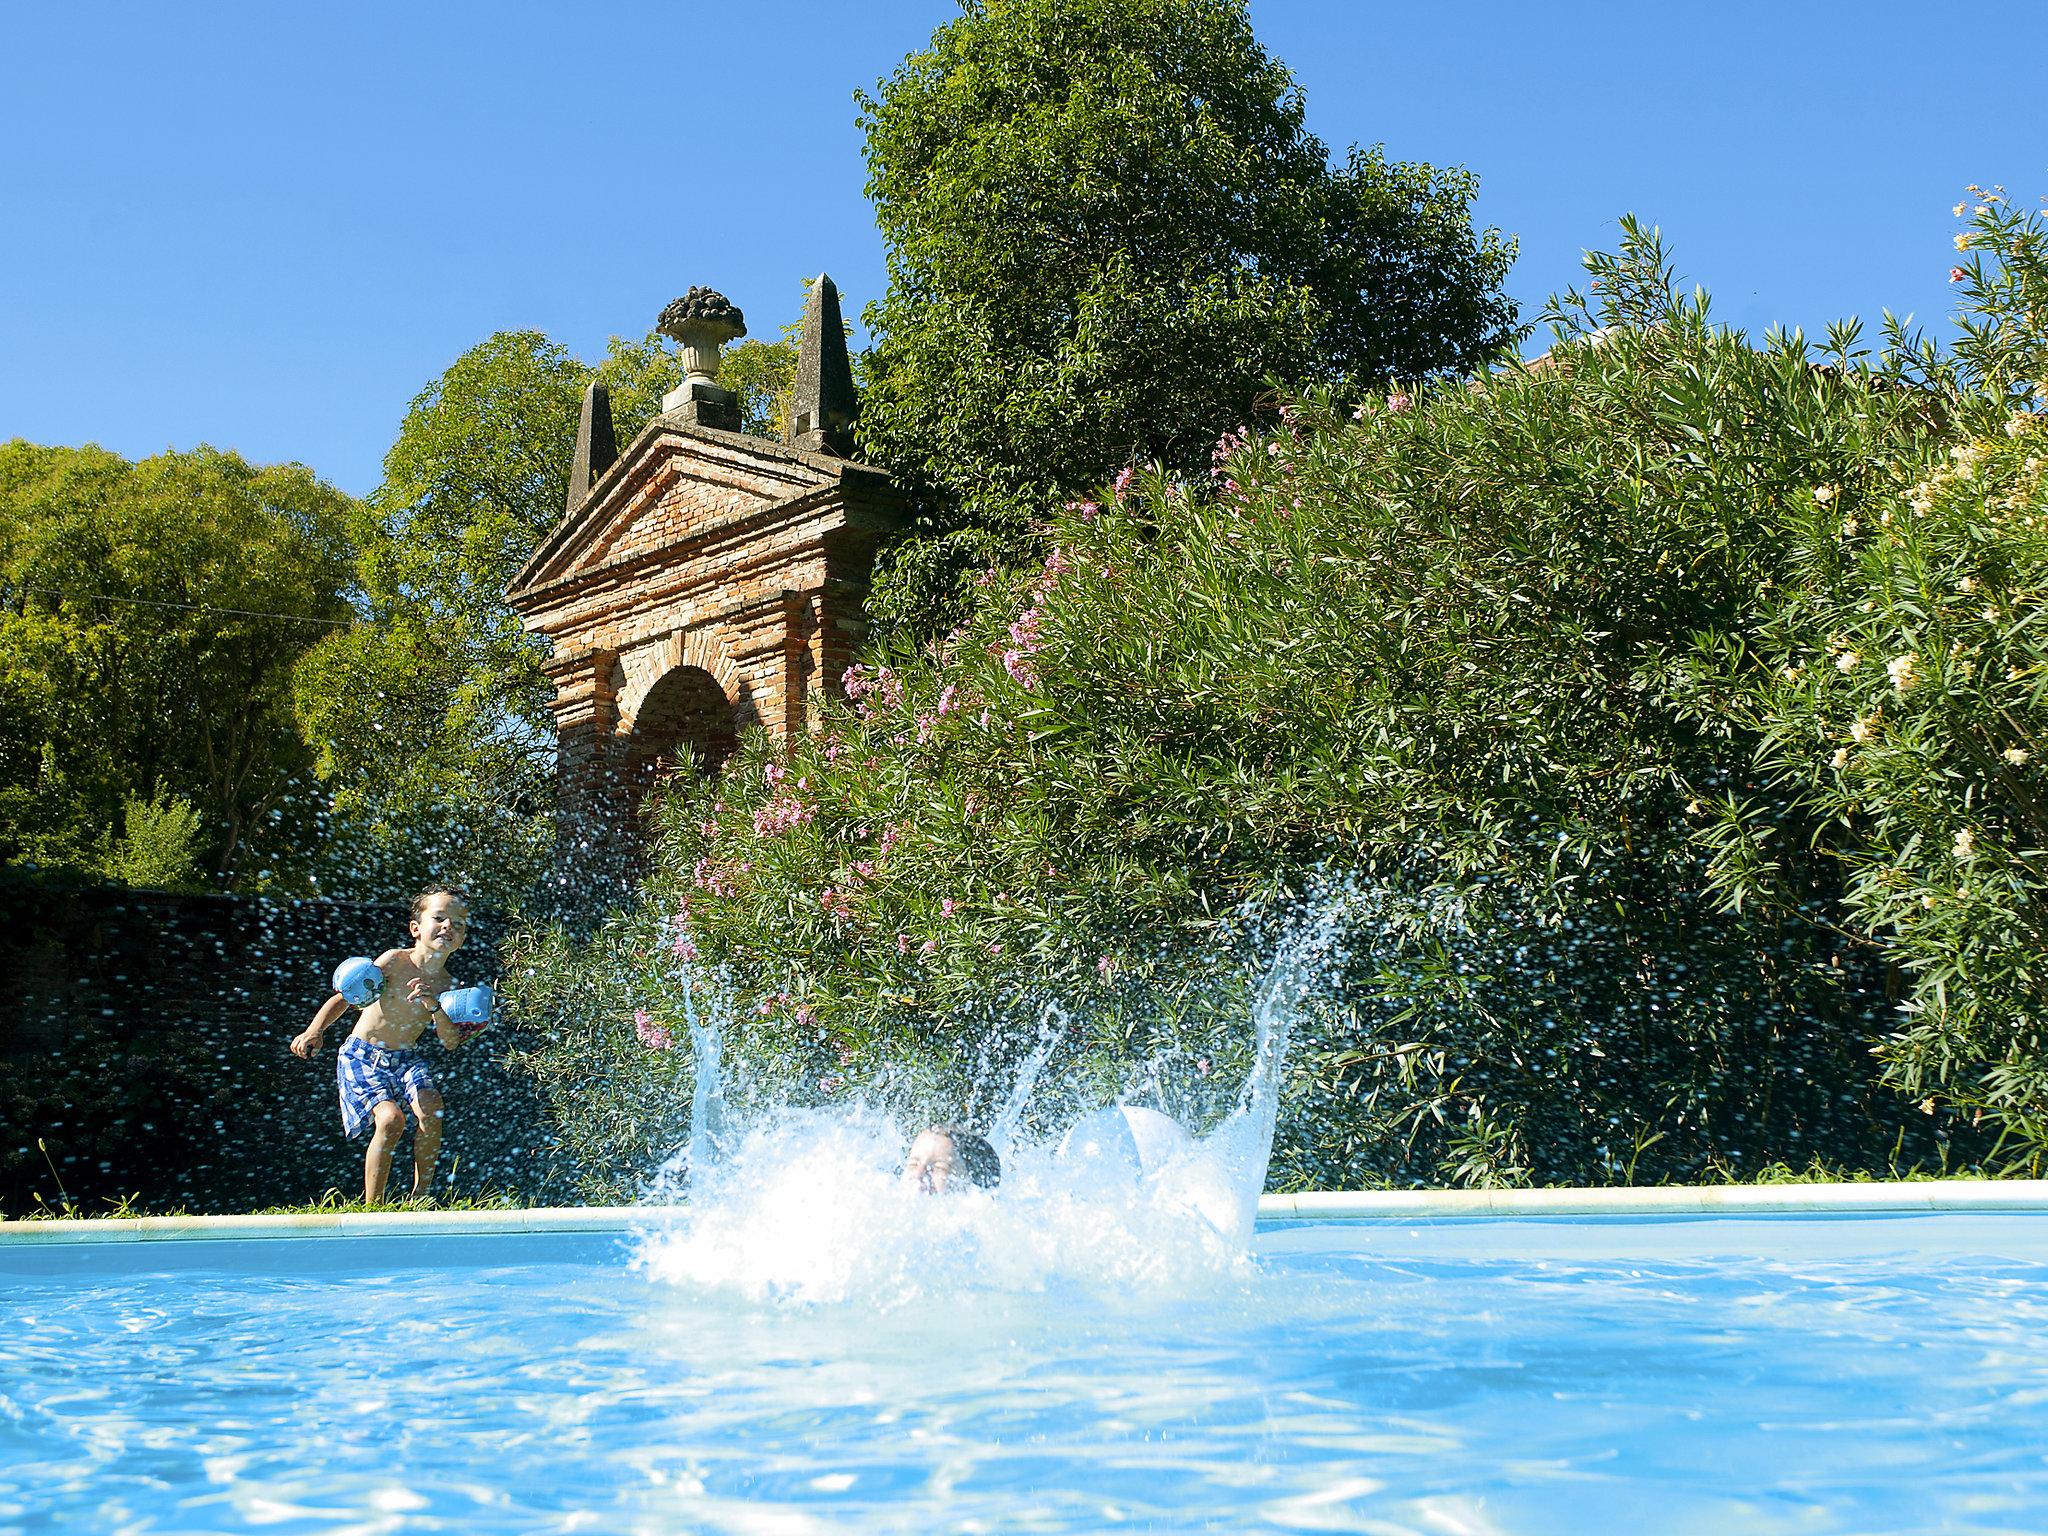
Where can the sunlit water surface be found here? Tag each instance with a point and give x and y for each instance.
(1756, 1375)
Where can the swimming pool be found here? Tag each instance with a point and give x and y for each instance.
(1880, 1372)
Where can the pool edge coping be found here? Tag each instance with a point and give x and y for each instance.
(1981, 1195)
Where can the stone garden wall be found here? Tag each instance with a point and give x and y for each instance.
(143, 1040)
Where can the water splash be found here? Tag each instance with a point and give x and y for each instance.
(807, 1205)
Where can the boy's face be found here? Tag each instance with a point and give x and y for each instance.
(443, 924)
(929, 1168)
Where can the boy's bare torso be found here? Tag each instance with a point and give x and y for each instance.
(402, 1013)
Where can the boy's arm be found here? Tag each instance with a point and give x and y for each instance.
(307, 1043)
(445, 1029)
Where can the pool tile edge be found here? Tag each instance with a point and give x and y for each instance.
(1360, 1205)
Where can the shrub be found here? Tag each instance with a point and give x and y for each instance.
(1900, 694)
(159, 843)
(1444, 646)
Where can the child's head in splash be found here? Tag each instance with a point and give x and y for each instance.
(950, 1157)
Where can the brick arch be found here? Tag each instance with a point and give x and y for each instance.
(695, 649)
(684, 717)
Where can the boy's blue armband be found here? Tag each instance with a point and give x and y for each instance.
(468, 1006)
(359, 981)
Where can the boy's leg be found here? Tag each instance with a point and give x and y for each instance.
(426, 1139)
(387, 1123)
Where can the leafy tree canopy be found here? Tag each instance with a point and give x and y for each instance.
(150, 614)
(1108, 229)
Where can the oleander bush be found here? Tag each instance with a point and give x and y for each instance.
(1899, 692)
(1544, 673)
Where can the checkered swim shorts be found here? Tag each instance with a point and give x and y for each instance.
(370, 1074)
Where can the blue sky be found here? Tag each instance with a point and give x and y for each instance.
(267, 227)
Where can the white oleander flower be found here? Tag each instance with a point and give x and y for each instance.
(1904, 672)
(2017, 756)
(1846, 662)
(1966, 845)
(1859, 731)
(1840, 759)
(1824, 494)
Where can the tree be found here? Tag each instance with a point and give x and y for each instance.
(149, 617)
(1108, 229)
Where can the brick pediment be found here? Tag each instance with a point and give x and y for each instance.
(673, 494)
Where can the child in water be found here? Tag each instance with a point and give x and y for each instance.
(951, 1156)
(379, 1068)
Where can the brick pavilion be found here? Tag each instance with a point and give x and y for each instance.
(703, 580)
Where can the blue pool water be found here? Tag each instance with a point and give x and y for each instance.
(1764, 1374)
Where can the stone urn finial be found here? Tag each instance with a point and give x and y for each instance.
(703, 321)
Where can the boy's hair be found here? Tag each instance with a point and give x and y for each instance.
(419, 902)
(973, 1156)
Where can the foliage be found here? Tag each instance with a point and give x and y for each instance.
(430, 717)
(1445, 649)
(158, 846)
(1900, 690)
(763, 375)
(1107, 229)
(150, 615)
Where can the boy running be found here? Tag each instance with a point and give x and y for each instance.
(380, 1068)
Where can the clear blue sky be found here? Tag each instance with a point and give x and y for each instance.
(268, 226)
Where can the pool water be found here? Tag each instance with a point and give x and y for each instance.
(1717, 1375)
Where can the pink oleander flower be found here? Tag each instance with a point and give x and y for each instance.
(1399, 401)
(836, 903)
(1122, 484)
(902, 943)
(1022, 669)
(773, 773)
(994, 948)
(948, 907)
(651, 1034)
(1105, 967)
(1056, 565)
(1202, 1065)
(928, 947)
(948, 699)
(831, 1084)
(782, 814)
(804, 1018)
(1956, 274)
